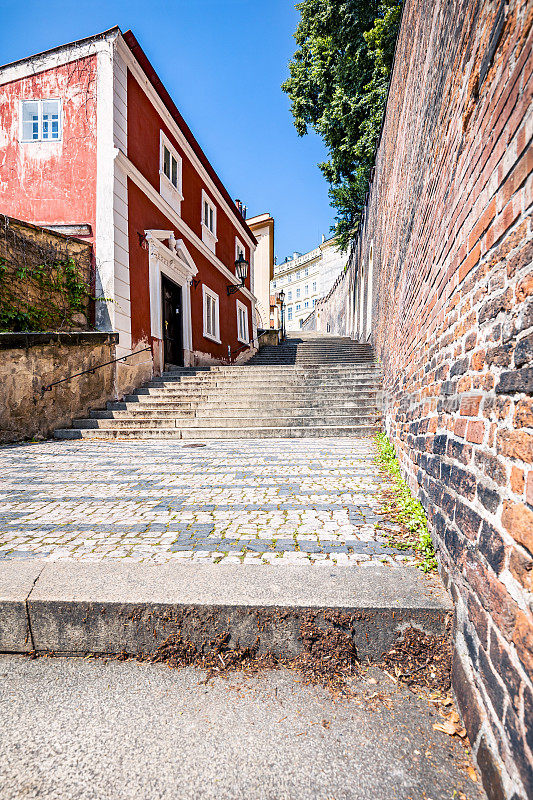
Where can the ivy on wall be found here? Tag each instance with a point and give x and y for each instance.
(46, 281)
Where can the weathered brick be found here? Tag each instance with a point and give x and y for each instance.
(523, 639)
(524, 288)
(517, 518)
(516, 444)
(521, 568)
(467, 520)
(475, 432)
(459, 427)
(470, 405)
(466, 699)
(516, 737)
(500, 356)
(523, 353)
(495, 306)
(499, 656)
(529, 488)
(491, 684)
(490, 774)
(492, 547)
(517, 380)
(491, 466)
(517, 480)
(523, 415)
(488, 497)
(459, 450)
(494, 598)
(459, 367)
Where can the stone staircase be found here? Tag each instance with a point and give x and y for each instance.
(310, 386)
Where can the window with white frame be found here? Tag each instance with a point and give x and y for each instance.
(239, 248)
(298, 306)
(289, 296)
(306, 271)
(289, 313)
(211, 314)
(298, 292)
(274, 284)
(307, 289)
(170, 173)
(242, 323)
(209, 221)
(41, 120)
(306, 304)
(314, 286)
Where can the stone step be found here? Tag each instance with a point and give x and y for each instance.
(282, 370)
(266, 384)
(292, 406)
(219, 433)
(115, 606)
(244, 396)
(281, 420)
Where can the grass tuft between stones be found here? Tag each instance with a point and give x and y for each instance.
(401, 507)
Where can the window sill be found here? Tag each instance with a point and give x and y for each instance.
(211, 338)
(243, 341)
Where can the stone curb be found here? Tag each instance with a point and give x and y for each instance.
(76, 608)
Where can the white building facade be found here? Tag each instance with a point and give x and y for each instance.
(305, 279)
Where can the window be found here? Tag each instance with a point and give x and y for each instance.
(298, 275)
(41, 120)
(314, 286)
(306, 271)
(298, 292)
(209, 222)
(239, 248)
(289, 313)
(273, 284)
(306, 304)
(289, 278)
(298, 306)
(170, 173)
(242, 323)
(314, 302)
(211, 315)
(289, 296)
(306, 289)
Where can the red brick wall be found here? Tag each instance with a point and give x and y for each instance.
(449, 216)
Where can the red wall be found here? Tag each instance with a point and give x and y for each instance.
(144, 125)
(143, 215)
(52, 182)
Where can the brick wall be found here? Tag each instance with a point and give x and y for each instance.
(449, 300)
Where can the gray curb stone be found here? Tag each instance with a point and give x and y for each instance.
(77, 608)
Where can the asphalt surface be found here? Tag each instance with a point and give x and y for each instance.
(77, 729)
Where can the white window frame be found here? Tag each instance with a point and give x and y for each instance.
(239, 248)
(172, 194)
(298, 292)
(242, 335)
(40, 100)
(209, 237)
(216, 300)
(289, 313)
(289, 297)
(298, 307)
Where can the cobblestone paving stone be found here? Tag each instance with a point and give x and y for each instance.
(288, 501)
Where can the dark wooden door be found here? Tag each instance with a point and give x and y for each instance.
(172, 323)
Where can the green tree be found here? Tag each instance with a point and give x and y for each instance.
(337, 85)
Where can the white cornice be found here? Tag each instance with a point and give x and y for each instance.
(141, 78)
(138, 178)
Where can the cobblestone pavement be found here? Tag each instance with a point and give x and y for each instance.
(294, 501)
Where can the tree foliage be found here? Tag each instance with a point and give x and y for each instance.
(337, 85)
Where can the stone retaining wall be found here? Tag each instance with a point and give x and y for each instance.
(30, 361)
(442, 274)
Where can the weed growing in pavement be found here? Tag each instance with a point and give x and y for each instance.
(401, 507)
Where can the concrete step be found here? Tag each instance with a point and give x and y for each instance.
(73, 608)
(296, 407)
(219, 433)
(282, 420)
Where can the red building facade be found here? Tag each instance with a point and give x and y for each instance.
(91, 140)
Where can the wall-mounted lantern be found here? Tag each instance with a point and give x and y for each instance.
(241, 271)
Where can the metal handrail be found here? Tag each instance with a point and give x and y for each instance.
(245, 346)
(92, 370)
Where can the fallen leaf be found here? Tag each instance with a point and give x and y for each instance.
(472, 773)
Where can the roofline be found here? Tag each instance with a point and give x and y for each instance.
(76, 43)
(155, 80)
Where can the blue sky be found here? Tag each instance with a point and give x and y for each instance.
(223, 62)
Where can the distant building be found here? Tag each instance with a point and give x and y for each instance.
(262, 226)
(305, 279)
